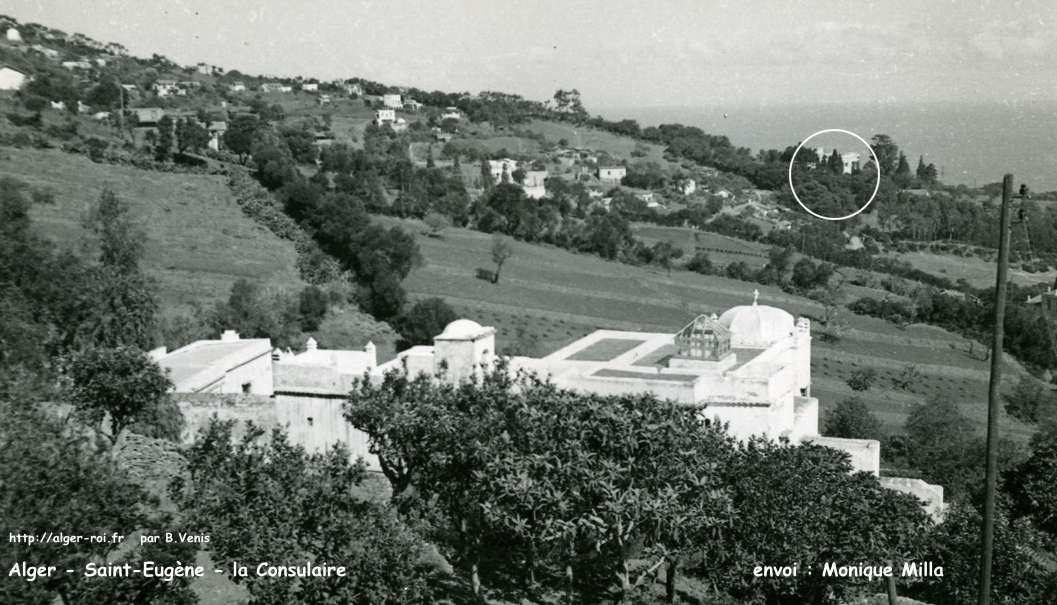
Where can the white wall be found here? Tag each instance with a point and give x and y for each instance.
(257, 372)
(11, 79)
(317, 423)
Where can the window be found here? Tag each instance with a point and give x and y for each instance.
(247, 387)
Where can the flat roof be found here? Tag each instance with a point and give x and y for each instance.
(614, 373)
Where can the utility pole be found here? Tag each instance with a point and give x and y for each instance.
(988, 529)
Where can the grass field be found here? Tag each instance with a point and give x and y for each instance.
(198, 240)
(721, 249)
(553, 297)
(977, 271)
(599, 140)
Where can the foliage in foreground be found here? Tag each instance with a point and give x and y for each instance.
(261, 498)
(534, 490)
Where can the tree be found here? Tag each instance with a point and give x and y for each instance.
(887, 153)
(701, 263)
(835, 163)
(1019, 571)
(437, 223)
(557, 490)
(313, 308)
(664, 253)
(261, 498)
(116, 384)
(426, 319)
(241, 132)
(809, 508)
(1030, 484)
(191, 135)
(119, 299)
(1028, 399)
(163, 145)
(902, 176)
(940, 441)
(862, 379)
(568, 101)
(254, 313)
(502, 250)
(851, 419)
(39, 452)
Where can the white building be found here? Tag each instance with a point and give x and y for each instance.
(310, 87)
(451, 113)
(612, 175)
(309, 390)
(13, 35)
(535, 184)
(167, 88)
(502, 170)
(384, 116)
(216, 129)
(238, 87)
(749, 368)
(688, 186)
(228, 365)
(392, 101)
(11, 78)
(851, 162)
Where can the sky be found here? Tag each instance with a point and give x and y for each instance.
(618, 54)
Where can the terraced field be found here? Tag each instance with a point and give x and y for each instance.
(548, 297)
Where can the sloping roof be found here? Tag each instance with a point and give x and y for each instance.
(201, 363)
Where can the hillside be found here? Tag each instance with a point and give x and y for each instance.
(548, 297)
(198, 240)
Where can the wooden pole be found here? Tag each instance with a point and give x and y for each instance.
(988, 530)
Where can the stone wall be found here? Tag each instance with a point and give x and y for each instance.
(198, 408)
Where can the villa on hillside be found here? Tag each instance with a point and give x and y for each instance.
(11, 78)
(749, 368)
(612, 175)
(392, 101)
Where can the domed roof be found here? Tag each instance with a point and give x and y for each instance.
(756, 326)
(461, 329)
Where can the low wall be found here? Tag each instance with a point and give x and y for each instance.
(198, 408)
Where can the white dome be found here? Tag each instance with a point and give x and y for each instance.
(461, 329)
(756, 326)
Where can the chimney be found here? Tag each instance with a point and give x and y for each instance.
(229, 336)
(372, 354)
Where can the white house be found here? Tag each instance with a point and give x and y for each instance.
(11, 78)
(228, 365)
(384, 116)
(309, 388)
(451, 113)
(851, 162)
(77, 65)
(13, 35)
(392, 101)
(412, 105)
(238, 87)
(688, 186)
(502, 170)
(216, 133)
(535, 184)
(167, 88)
(749, 368)
(612, 175)
(310, 87)
(353, 89)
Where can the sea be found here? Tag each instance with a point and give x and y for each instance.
(969, 142)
